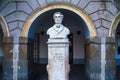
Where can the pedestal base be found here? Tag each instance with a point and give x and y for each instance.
(58, 59)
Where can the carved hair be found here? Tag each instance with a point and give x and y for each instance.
(61, 15)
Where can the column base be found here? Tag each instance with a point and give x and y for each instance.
(7, 70)
(110, 70)
(93, 70)
(23, 71)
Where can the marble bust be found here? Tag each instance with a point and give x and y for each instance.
(58, 30)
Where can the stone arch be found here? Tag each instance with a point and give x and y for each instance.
(74, 9)
(114, 24)
(4, 26)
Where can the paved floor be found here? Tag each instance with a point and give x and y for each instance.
(77, 73)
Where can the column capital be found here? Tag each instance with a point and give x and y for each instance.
(11, 40)
(101, 40)
(23, 40)
(8, 40)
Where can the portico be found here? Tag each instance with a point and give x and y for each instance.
(91, 50)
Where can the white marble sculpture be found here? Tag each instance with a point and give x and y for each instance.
(58, 30)
(58, 50)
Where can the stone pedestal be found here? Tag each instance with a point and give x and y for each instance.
(8, 59)
(58, 59)
(100, 59)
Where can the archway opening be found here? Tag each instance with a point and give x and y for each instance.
(1, 52)
(78, 33)
(115, 32)
(117, 52)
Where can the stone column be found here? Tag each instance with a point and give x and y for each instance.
(100, 58)
(7, 62)
(8, 59)
(58, 59)
(23, 59)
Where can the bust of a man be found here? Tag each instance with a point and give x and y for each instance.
(58, 30)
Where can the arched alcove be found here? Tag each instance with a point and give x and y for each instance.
(35, 28)
(78, 29)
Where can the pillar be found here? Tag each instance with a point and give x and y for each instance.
(22, 73)
(100, 58)
(23, 59)
(7, 62)
(58, 59)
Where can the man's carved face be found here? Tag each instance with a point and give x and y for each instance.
(58, 17)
